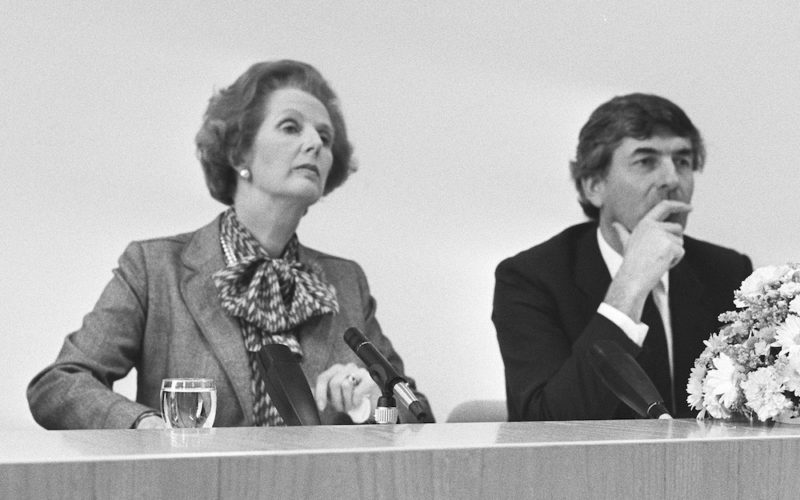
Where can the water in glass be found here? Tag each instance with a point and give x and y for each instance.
(188, 403)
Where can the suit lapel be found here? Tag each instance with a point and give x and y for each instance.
(315, 334)
(591, 273)
(203, 257)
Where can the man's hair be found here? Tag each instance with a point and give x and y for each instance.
(638, 116)
(235, 114)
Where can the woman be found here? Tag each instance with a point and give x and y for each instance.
(200, 304)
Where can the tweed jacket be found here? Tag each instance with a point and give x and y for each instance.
(545, 314)
(161, 315)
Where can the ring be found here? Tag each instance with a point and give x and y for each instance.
(352, 379)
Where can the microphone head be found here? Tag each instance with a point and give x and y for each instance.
(620, 372)
(379, 368)
(354, 338)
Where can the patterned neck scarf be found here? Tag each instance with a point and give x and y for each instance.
(270, 297)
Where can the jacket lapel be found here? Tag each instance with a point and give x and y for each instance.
(591, 274)
(316, 334)
(202, 258)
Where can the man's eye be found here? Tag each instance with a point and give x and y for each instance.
(683, 162)
(647, 161)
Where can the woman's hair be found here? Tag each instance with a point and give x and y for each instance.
(235, 114)
(638, 116)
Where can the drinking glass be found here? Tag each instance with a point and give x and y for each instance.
(188, 402)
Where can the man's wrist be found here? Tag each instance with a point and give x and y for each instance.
(625, 298)
(634, 331)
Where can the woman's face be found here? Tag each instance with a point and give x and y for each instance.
(291, 155)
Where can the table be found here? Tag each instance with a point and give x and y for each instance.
(586, 459)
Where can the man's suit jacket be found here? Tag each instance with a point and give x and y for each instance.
(545, 313)
(161, 315)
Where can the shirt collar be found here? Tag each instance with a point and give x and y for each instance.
(613, 260)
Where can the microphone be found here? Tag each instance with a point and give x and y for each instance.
(383, 373)
(620, 372)
(287, 386)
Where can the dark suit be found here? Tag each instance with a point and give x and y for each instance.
(545, 313)
(161, 315)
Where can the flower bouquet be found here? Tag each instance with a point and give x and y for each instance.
(751, 367)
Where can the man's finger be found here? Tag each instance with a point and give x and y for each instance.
(665, 208)
(674, 228)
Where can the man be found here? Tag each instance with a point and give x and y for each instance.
(629, 275)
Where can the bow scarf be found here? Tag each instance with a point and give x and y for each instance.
(275, 295)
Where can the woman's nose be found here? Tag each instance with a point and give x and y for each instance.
(313, 141)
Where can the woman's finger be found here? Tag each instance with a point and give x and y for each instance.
(321, 387)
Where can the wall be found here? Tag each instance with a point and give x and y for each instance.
(464, 118)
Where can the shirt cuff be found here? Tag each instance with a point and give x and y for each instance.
(635, 331)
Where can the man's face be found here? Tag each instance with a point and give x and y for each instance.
(640, 175)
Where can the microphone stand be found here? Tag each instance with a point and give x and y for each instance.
(386, 410)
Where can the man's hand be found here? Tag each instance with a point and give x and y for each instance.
(653, 247)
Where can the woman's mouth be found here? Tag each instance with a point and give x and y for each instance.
(309, 167)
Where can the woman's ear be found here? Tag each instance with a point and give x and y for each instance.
(594, 190)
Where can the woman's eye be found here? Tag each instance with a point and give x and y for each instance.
(290, 127)
(326, 139)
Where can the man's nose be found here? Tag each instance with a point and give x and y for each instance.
(669, 173)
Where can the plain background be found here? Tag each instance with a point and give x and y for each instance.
(464, 116)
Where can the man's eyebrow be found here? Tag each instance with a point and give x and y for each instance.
(645, 150)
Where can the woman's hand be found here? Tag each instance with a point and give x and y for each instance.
(151, 422)
(345, 388)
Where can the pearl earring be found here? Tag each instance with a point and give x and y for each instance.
(245, 174)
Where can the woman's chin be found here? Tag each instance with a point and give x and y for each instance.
(308, 194)
(304, 192)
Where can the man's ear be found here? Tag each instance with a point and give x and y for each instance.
(594, 189)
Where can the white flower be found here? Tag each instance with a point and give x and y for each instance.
(787, 335)
(761, 277)
(794, 305)
(789, 289)
(695, 386)
(721, 381)
(761, 348)
(791, 372)
(767, 334)
(712, 405)
(716, 342)
(764, 394)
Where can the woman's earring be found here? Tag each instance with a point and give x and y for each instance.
(245, 174)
